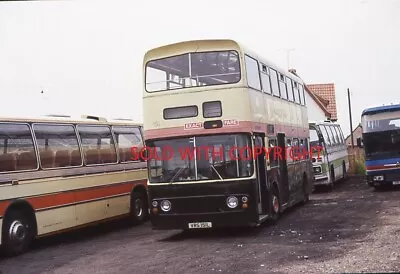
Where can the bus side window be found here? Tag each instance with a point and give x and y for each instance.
(97, 144)
(58, 145)
(130, 143)
(302, 98)
(296, 92)
(252, 72)
(282, 86)
(274, 82)
(290, 152)
(290, 89)
(272, 146)
(18, 152)
(266, 82)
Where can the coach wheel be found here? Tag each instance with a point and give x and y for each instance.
(275, 205)
(138, 208)
(344, 170)
(17, 233)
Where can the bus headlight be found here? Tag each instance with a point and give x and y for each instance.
(154, 203)
(245, 199)
(165, 205)
(378, 178)
(232, 202)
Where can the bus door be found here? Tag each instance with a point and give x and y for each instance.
(261, 175)
(283, 170)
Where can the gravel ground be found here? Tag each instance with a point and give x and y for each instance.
(351, 229)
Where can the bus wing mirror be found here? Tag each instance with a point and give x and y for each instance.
(359, 142)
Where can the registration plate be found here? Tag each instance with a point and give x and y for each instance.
(396, 182)
(200, 225)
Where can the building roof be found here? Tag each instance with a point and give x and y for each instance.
(327, 93)
(375, 110)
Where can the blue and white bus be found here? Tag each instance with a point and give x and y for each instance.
(381, 140)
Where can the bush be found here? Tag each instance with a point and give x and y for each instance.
(359, 167)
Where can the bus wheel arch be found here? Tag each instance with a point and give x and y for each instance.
(139, 205)
(19, 228)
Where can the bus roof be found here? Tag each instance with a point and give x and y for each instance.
(84, 119)
(209, 44)
(375, 110)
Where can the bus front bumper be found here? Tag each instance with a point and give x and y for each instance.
(321, 180)
(388, 179)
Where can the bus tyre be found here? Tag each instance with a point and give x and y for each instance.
(275, 205)
(306, 195)
(344, 170)
(139, 209)
(17, 233)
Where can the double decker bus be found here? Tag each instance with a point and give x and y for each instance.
(59, 173)
(216, 98)
(331, 161)
(381, 142)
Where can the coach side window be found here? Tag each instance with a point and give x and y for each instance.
(341, 135)
(128, 139)
(325, 135)
(58, 145)
(17, 148)
(97, 144)
(274, 82)
(266, 83)
(331, 135)
(252, 72)
(337, 135)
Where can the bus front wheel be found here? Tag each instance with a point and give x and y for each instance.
(17, 233)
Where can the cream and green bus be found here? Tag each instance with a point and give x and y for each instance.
(331, 162)
(237, 109)
(59, 173)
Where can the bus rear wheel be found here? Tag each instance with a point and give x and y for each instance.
(139, 209)
(275, 205)
(17, 233)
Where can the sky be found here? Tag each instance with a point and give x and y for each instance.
(87, 56)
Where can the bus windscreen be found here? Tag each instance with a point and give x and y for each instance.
(193, 70)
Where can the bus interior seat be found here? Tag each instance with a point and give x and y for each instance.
(92, 156)
(76, 159)
(62, 158)
(8, 162)
(27, 160)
